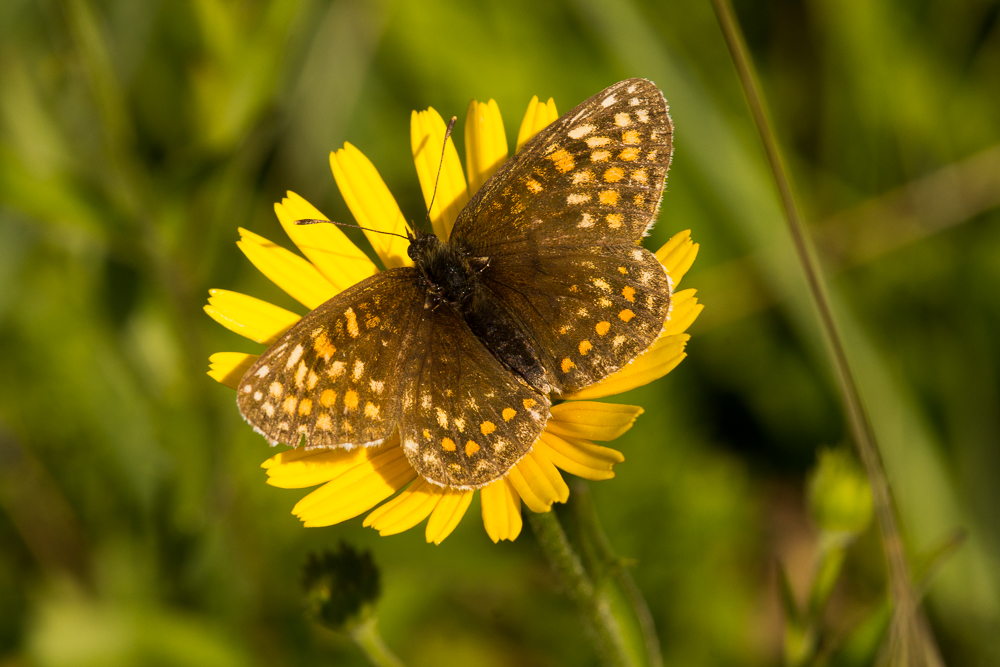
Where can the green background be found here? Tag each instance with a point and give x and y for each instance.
(135, 137)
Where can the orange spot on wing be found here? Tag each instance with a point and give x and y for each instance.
(563, 160)
(585, 346)
(628, 293)
(626, 315)
(471, 448)
(328, 398)
(602, 328)
(567, 365)
(629, 154)
(351, 399)
(487, 427)
(608, 197)
(323, 346)
(508, 414)
(447, 444)
(305, 407)
(528, 403)
(614, 174)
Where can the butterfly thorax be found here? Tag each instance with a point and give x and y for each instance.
(450, 274)
(445, 271)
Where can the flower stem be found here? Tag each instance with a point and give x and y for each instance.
(366, 636)
(590, 527)
(910, 643)
(603, 627)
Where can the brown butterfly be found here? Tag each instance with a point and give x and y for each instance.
(542, 289)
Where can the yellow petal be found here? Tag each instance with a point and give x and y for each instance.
(427, 130)
(258, 320)
(501, 510)
(683, 312)
(356, 490)
(286, 270)
(536, 118)
(592, 420)
(407, 509)
(538, 482)
(229, 367)
(578, 457)
(328, 248)
(372, 205)
(485, 142)
(301, 467)
(548, 471)
(677, 255)
(449, 511)
(526, 492)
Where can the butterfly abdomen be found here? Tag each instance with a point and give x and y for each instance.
(453, 280)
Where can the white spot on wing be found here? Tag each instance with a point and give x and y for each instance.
(581, 131)
(294, 356)
(608, 101)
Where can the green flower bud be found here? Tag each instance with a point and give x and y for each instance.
(341, 587)
(840, 499)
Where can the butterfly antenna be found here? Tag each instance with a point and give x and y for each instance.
(312, 221)
(444, 147)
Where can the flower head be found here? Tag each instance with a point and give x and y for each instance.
(355, 481)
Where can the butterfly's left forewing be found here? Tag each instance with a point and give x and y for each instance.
(376, 358)
(333, 378)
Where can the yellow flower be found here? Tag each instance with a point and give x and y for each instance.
(355, 481)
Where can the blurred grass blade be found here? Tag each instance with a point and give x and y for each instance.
(908, 636)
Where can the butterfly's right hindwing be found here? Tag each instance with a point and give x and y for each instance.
(335, 376)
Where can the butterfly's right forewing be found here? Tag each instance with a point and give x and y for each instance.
(558, 227)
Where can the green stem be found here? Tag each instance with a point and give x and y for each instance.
(590, 527)
(602, 625)
(366, 636)
(907, 630)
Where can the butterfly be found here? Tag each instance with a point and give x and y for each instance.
(542, 289)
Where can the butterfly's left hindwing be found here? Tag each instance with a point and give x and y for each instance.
(466, 419)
